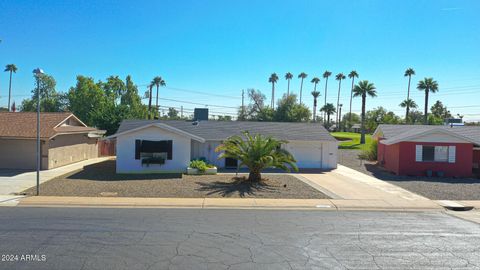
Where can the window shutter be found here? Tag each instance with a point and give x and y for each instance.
(169, 150)
(451, 154)
(138, 145)
(418, 153)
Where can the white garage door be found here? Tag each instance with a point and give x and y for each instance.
(307, 154)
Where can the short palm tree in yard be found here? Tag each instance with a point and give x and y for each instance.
(364, 89)
(257, 152)
(12, 69)
(428, 85)
(328, 109)
(409, 104)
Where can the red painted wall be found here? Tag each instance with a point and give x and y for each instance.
(476, 156)
(461, 168)
(387, 156)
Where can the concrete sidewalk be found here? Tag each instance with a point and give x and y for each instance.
(20, 182)
(345, 184)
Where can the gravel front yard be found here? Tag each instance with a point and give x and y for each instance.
(435, 188)
(100, 180)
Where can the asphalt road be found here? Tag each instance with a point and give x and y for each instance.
(74, 238)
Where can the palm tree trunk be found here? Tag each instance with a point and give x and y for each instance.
(156, 104)
(408, 97)
(351, 97)
(338, 99)
(315, 110)
(150, 104)
(301, 87)
(9, 90)
(425, 117)
(325, 102)
(362, 136)
(288, 88)
(273, 95)
(328, 119)
(254, 176)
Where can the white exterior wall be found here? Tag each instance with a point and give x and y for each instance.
(309, 154)
(314, 154)
(126, 162)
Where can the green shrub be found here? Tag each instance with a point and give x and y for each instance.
(200, 165)
(371, 152)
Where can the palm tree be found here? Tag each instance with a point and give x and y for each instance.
(408, 103)
(288, 77)
(326, 74)
(339, 77)
(408, 73)
(12, 69)
(364, 89)
(315, 95)
(428, 85)
(257, 153)
(328, 109)
(273, 79)
(157, 81)
(302, 76)
(352, 75)
(150, 86)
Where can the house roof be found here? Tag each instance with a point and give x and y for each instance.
(23, 125)
(394, 133)
(221, 130)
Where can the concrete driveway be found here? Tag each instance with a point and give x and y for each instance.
(15, 181)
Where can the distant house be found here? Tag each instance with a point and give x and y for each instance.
(356, 128)
(422, 150)
(64, 140)
(175, 143)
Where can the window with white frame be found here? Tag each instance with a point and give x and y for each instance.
(435, 153)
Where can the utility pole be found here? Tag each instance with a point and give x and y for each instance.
(37, 73)
(243, 106)
(181, 111)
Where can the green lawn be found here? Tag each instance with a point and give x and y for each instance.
(350, 140)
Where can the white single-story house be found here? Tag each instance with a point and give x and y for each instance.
(142, 144)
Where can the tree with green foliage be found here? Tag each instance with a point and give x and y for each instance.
(302, 76)
(380, 115)
(11, 68)
(157, 81)
(288, 77)
(427, 85)
(352, 75)
(408, 73)
(364, 89)
(328, 109)
(50, 100)
(289, 110)
(273, 80)
(339, 77)
(350, 119)
(440, 111)
(86, 97)
(114, 88)
(408, 103)
(257, 153)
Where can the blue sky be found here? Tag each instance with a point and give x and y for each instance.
(222, 47)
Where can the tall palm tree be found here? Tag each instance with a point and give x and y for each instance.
(328, 109)
(408, 103)
(364, 89)
(352, 75)
(257, 153)
(273, 79)
(288, 77)
(326, 74)
(315, 95)
(150, 87)
(339, 77)
(408, 73)
(157, 81)
(302, 76)
(428, 85)
(12, 69)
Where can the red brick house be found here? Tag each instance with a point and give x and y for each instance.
(420, 150)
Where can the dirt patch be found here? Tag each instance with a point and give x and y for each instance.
(100, 180)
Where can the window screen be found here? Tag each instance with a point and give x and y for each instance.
(441, 153)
